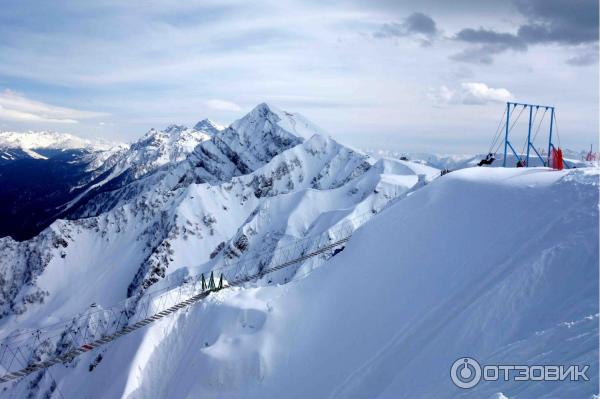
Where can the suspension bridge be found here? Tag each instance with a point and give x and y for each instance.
(27, 351)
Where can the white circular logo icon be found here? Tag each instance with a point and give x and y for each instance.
(465, 372)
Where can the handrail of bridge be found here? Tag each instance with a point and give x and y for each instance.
(31, 350)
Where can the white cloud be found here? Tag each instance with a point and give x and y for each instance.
(16, 107)
(480, 93)
(222, 105)
(469, 93)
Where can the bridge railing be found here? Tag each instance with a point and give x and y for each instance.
(26, 351)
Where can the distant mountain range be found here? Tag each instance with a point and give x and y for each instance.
(42, 173)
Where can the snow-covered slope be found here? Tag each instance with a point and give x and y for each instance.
(435, 277)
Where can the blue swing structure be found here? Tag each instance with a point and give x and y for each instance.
(508, 122)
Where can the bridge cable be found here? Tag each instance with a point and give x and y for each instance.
(86, 347)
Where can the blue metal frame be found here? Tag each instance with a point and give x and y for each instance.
(506, 132)
(550, 136)
(530, 145)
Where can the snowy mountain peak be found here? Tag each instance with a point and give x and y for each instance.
(157, 148)
(264, 108)
(209, 127)
(175, 129)
(173, 136)
(266, 111)
(266, 131)
(212, 154)
(262, 112)
(265, 116)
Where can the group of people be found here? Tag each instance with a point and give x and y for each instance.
(557, 161)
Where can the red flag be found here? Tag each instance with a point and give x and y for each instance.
(559, 160)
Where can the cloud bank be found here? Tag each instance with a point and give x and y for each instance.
(559, 22)
(470, 93)
(417, 24)
(16, 107)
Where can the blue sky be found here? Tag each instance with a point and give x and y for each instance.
(411, 76)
